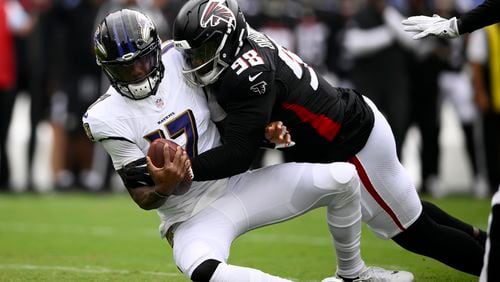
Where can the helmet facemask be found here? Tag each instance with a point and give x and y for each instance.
(136, 76)
(202, 65)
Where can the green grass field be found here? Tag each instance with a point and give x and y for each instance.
(74, 237)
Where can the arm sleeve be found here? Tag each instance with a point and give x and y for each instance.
(247, 115)
(483, 15)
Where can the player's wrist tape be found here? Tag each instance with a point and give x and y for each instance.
(161, 195)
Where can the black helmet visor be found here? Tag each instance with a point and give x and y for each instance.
(134, 70)
(197, 57)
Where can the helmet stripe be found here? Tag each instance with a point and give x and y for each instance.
(117, 40)
(129, 43)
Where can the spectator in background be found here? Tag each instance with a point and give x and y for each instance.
(35, 71)
(379, 69)
(336, 18)
(13, 21)
(7, 80)
(484, 56)
(423, 70)
(311, 35)
(456, 87)
(78, 87)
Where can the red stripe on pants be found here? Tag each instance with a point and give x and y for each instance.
(375, 195)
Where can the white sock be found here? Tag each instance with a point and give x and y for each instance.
(344, 223)
(231, 273)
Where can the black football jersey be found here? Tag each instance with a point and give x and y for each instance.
(265, 83)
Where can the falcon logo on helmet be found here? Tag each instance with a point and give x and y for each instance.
(215, 12)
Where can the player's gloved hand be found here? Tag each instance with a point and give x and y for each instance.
(277, 133)
(173, 172)
(136, 174)
(435, 25)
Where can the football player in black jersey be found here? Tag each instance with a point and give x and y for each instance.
(256, 81)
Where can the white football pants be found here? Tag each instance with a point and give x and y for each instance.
(389, 200)
(267, 196)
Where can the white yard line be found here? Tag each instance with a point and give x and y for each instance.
(86, 269)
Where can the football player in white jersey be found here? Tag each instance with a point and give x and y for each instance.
(149, 99)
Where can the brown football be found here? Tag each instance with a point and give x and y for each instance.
(155, 153)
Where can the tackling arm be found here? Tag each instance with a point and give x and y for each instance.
(247, 115)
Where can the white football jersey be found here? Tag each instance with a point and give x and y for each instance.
(179, 112)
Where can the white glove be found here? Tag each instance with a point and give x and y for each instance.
(435, 25)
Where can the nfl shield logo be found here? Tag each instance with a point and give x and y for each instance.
(159, 103)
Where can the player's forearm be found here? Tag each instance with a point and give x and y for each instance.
(241, 139)
(147, 198)
(483, 15)
(221, 162)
